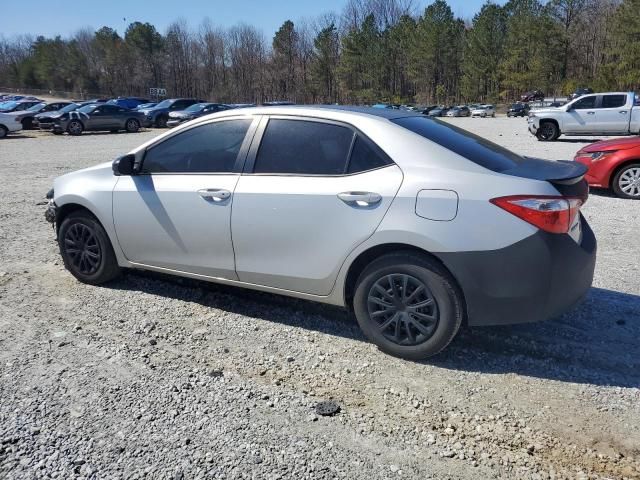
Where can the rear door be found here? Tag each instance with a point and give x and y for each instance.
(613, 114)
(312, 191)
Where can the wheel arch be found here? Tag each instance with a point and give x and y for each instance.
(364, 258)
(619, 167)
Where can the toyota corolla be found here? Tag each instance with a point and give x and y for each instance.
(416, 225)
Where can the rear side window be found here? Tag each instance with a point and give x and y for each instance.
(366, 156)
(472, 147)
(614, 101)
(209, 148)
(304, 148)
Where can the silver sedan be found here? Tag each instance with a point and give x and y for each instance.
(415, 225)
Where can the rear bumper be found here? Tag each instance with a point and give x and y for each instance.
(535, 279)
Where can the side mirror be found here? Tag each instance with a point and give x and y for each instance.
(124, 165)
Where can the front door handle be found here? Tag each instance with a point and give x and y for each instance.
(215, 194)
(360, 199)
(623, 112)
(591, 113)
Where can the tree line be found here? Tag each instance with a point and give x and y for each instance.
(372, 51)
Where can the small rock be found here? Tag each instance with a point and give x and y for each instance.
(394, 468)
(153, 341)
(447, 453)
(327, 408)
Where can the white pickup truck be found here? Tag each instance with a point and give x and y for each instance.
(594, 114)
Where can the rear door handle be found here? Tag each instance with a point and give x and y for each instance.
(591, 113)
(623, 112)
(360, 199)
(215, 194)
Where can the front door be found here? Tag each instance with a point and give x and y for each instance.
(176, 214)
(306, 202)
(582, 117)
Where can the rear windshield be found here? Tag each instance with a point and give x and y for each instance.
(472, 147)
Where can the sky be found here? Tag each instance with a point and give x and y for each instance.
(50, 18)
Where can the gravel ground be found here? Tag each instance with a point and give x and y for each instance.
(152, 377)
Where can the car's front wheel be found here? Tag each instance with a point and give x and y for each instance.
(132, 125)
(626, 182)
(75, 127)
(408, 305)
(86, 250)
(161, 121)
(548, 132)
(3, 131)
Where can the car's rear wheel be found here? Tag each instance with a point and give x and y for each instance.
(132, 125)
(86, 250)
(27, 123)
(75, 127)
(3, 131)
(548, 132)
(626, 182)
(408, 305)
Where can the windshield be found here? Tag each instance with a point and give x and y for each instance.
(68, 108)
(87, 108)
(165, 104)
(8, 105)
(36, 108)
(472, 147)
(196, 107)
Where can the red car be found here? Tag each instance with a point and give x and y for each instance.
(613, 164)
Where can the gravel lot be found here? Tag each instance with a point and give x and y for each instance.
(151, 377)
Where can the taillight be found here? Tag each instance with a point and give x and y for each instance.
(551, 214)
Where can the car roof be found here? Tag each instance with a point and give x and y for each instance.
(319, 110)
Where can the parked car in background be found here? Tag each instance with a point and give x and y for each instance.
(278, 103)
(194, 111)
(27, 117)
(460, 111)
(556, 104)
(145, 106)
(579, 93)
(484, 111)
(426, 110)
(611, 113)
(45, 121)
(438, 111)
(518, 110)
(128, 102)
(8, 124)
(158, 116)
(414, 256)
(17, 105)
(98, 117)
(613, 164)
(532, 96)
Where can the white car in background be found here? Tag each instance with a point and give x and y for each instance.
(484, 111)
(8, 123)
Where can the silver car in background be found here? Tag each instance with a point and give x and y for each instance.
(414, 224)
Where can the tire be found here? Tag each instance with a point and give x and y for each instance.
(3, 131)
(161, 121)
(86, 250)
(431, 286)
(626, 182)
(27, 123)
(132, 125)
(548, 132)
(75, 127)
(56, 132)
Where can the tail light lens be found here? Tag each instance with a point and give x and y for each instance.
(548, 213)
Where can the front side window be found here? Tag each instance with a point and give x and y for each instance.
(614, 101)
(585, 103)
(209, 148)
(304, 148)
